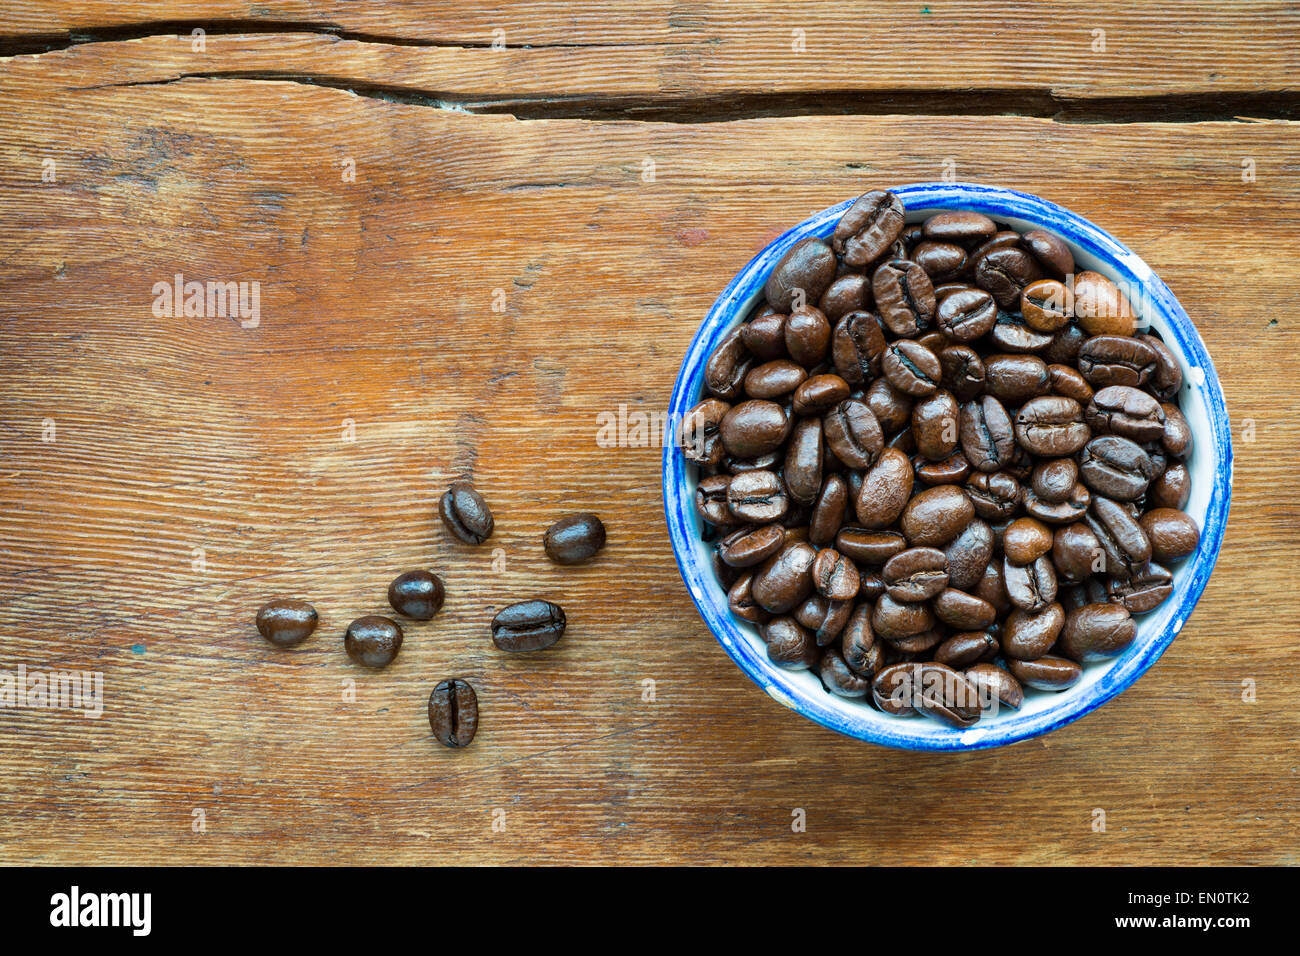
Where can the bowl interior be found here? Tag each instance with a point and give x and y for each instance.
(1209, 465)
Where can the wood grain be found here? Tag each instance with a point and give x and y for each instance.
(377, 306)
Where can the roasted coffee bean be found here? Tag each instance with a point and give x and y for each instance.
(1046, 305)
(1172, 489)
(1028, 635)
(1064, 347)
(417, 594)
(904, 297)
(945, 695)
(1030, 587)
(838, 678)
(746, 547)
(1046, 673)
(962, 611)
(963, 372)
(826, 618)
(755, 428)
(996, 495)
(1011, 334)
(853, 434)
(807, 336)
(711, 501)
(850, 292)
(834, 576)
(819, 394)
(774, 379)
(857, 346)
(994, 683)
(465, 514)
(1056, 513)
(757, 497)
(764, 335)
(1167, 378)
(725, 371)
(1121, 537)
(935, 516)
(873, 585)
(1000, 240)
(1014, 379)
(967, 314)
(896, 620)
(911, 368)
(867, 546)
(858, 645)
(785, 579)
(1026, 540)
(1096, 631)
(1068, 382)
(804, 457)
(1149, 586)
(916, 574)
(1106, 360)
(286, 622)
(952, 470)
(802, 275)
(966, 648)
(453, 713)
(1177, 437)
(734, 466)
(1126, 411)
(992, 586)
(725, 574)
(891, 407)
(940, 260)
(959, 226)
(1005, 272)
(1051, 426)
(986, 433)
(885, 490)
(934, 425)
(740, 599)
(891, 689)
(969, 554)
(528, 626)
(1053, 480)
(1116, 468)
(1173, 534)
(1076, 552)
(829, 512)
(789, 644)
(868, 227)
(701, 442)
(373, 641)
(1100, 306)
(1051, 252)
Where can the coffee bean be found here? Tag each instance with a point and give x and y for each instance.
(869, 227)
(963, 373)
(1031, 587)
(1116, 467)
(453, 713)
(711, 501)
(838, 678)
(1028, 635)
(962, 611)
(996, 495)
(959, 226)
(819, 394)
(857, 345)
(893, 409)
(465, 514)
(1076, 552)
(829, 512)
(417, 594)
(825, 617)
(1012, 334)
(1066, 381)
(1177, 437)
(740, 599)
(373, 641)
(1055, 513)
(1046, 305)
(754, 428)
(763, 335)
(936, 516)
(853, 434)
(1126, 411)
(1167, 378)
(1014, 379)
(994, 683)
(969, 554)
(966, 648)
(940, 260)
(1106, 360)
(1148, 587)
(576, 538)
(1121, 537)
(286, 622)
(725, 371)
(904, 296)
(867, 546)
(1096, 631)
(934, 425)
(774, 379)
(858, 645)
(802, 275)
(1100, 306)
(1053, 480)
(1046, 673)
(896, 620)
(757, 497)
(967, 315)
(1051, 252)
(1005, 272)
(785, 579)
(987, 437)
(850, 292)
(952, 470)
(528, 626)
(1173, 534)
(701, 441)
(807, 336)
(789, 644)
(916, 574)
(1026, 540)
(1172, 489)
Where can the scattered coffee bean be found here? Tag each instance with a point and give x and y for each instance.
(373, 641)
(528, 626)
(453, 713)
(465, 513)
(286, 622)
(417, 594)
(575, 538)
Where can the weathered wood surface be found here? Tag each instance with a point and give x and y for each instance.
(377, 297)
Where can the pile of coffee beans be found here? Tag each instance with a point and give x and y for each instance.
(937, 456)
(374, 640)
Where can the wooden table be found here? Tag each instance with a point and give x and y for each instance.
(474, 234)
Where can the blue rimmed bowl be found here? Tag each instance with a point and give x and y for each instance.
(1209, 465)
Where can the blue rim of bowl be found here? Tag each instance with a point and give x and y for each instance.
(678, 504)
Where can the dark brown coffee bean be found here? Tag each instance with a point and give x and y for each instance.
(959, 226)
(1167, 378)
(774, 379)
(963, 372)
(952, 470)
(417, 594)
(740, 599)
(1172, 489)
(936, 516)
(286, 622)
(1046, 305)
(528, 626)
(934, 425)
(725, 371)
(829, 512)
(891, 407)
(819, 394)
(966, 648)
(996, 495)
(967, 314)
(1014, 379)
(1030, 587)
(1102, 309)
(804, 456)
(911, 368)
(853, 434)
(575, 538)
(1106, 360)
(755, 428)
(701, 442)
(940, 260)
(789, 644)
(373, 641)
(1121, 537)
(992, 587)
(904, 297)
(857, 346)
(994, 683)
(1077, 553)
(826, 618)
(838, 678)
(746, 547)
(868, 227)
(465, 514)
(969, 554)
(1173, 534)
(1116, 468)
(802, 275)
(962, 611)
(711, 501)
(1177, 437)
(946, 695)
(987, 437)
(785, 579)
(850, 292)
(1046, 673)
(764, 335)
(1064, 347)
(1012, 334)
(916, 574)
(1053, 480)
(834, 576)
(1005, 272)
(1070, 510)
(867, 546)
(807, 336)
(896, 620)
(757, 497)
(1051, 252)
(1051, 426)
(1096, 631)
(453, 713)
(891, 689)
(1028, 635)
(858, 645)
(1026, 540)
(1150, 586)
(1125, 411)
(1068, 382)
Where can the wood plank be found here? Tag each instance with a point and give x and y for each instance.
(376, 306)
(688, 49)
